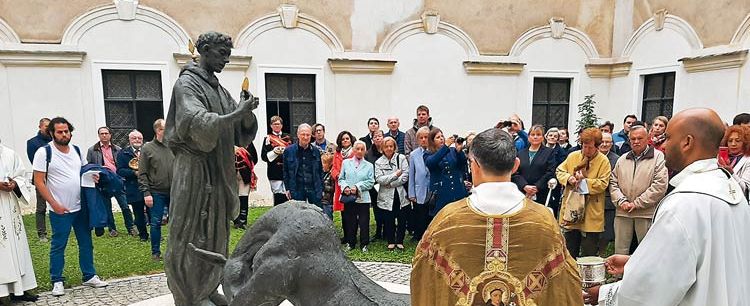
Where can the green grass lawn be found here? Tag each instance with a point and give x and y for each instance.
(125, 256)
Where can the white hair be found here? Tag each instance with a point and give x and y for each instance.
(359, 142)
(304, 126)
(134, 132)
(423, 130)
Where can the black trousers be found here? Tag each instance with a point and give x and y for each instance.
(578, 244)
(421, 217)
(392, 231)
(378, 213)
(357, 215)
(279, 198)
(41, 211)
(139, 218)
(242, 217)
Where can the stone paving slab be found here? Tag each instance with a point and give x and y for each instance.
(131, 290)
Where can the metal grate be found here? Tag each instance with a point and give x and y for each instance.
(658, 96)
(292, 97)
(132, 100)
(551, 102)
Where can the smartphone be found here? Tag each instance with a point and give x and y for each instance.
(724, 153)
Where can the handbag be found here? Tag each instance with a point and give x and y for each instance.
(574, 208)
(348, 199)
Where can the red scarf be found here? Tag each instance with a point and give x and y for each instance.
(245, 157)
(278, 141)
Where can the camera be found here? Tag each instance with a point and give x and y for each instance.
(459, 140)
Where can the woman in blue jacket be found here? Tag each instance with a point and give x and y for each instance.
(446, 165)
(356, 179)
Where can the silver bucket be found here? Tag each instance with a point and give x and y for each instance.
(593, 272)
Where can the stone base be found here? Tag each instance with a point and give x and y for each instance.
(167, 300)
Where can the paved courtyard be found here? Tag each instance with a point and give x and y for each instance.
(139, 288)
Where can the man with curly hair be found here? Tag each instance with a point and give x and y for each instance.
(203, 125)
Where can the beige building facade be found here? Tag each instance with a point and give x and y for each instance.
(103, 62)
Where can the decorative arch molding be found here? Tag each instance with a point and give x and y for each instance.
(743, 32)
(7, 34)
(418, 26)
(274, 21)
(556, 30)
(75, 31)
(659, 22)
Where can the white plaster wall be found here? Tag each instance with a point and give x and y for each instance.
(8, 136)
(359, 97)
(36, 92)
(619, 104)
(430, 71)
(718, 89)
(124, 45)
(557, 58)
(370, 19)
(743, 100)
(283, 51)
(655, 52)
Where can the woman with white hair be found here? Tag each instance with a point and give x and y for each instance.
(356, 179)
(392, 173)
(419, 182)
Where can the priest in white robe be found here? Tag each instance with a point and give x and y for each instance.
(696, 252)
(17, 273)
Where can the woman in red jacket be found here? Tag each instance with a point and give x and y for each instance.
(343, 151)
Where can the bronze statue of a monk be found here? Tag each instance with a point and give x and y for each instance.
(203, 125)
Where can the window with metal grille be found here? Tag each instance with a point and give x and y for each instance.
(658, 96)
(551, 102)
(132, 100)
(292, 97)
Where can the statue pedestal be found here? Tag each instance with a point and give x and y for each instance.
(166, 300)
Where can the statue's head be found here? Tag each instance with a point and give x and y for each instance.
(215, 49)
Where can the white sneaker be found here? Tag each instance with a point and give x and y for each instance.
(95, 282)
(58, 289)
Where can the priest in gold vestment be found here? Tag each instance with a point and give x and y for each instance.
(495, 247)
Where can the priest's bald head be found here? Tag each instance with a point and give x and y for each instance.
(693, 134)
(492, 157)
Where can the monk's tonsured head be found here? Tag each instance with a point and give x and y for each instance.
(492, 156)
(693, 134)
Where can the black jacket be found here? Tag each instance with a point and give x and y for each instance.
(537, 172)
(367, 140)
(131, 177)
(275, 170)
(36, 142)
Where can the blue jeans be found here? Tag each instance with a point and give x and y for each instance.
(328, 210)
(61, 225)
(161, 200)
(122, 201)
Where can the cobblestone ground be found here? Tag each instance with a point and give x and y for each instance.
(135, 289)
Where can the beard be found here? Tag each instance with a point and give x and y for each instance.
(62, 142)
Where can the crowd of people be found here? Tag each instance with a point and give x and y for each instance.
(407, 177)
(604, 188)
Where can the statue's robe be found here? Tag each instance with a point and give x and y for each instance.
(204, 187)
(17, 273)
(466, 254)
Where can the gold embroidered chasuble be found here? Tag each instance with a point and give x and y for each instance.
(470, 258)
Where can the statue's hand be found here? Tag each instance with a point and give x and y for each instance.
(249, 103)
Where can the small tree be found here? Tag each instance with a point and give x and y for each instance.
(586, 116)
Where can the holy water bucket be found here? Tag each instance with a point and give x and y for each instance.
(593, 272)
